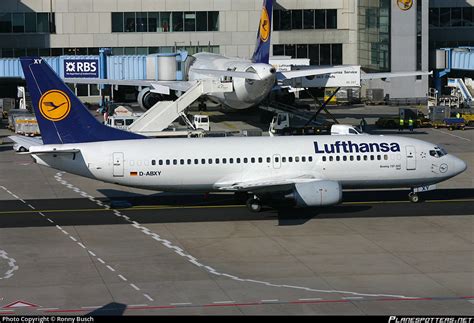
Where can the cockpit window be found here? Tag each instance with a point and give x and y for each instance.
(438, 152)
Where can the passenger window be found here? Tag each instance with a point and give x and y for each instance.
(290, 159)
(246, 160)
(379, 157)
(210, 161)
(324, 158)
(252, 160)
(224, 161)
(344, 158)
(283, 159)
(217, 160)
(196, 161)
(139, 162)
(260, 160)
(372, 157)
(269, 160)
(153, 162)
(351, 158)
(175, 162)
(338, 158)
(303, 159)
(203, 161)
(358, 158)
(168, 162)
(231, 160)
(238, 160)
(297, 159)
(181, 161)
(190, 161)
(385, 157)
(365, 157)
(331, 158)
(277, 160)
(310, 159)
(160, 162)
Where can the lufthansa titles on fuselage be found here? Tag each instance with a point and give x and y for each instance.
(350, 147)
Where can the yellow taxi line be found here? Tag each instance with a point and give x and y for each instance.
(171, 207)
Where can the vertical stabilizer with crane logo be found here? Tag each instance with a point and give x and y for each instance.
(262, 49)
(61, 116)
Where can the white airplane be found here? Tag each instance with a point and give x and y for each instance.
(252, 80)
(308, 170)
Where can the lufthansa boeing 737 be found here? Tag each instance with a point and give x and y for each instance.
(308, 170)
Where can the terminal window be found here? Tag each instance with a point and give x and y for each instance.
(176, 21)
(304, 19)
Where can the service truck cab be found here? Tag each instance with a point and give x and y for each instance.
(201, 122)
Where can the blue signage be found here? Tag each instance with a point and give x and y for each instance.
(76, 68)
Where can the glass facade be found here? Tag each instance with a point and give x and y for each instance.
(318, 54)
(374, 35)
(175, 21)
(27, 22)
(451, 17)
(17, 52)
(304, 19)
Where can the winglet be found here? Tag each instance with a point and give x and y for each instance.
(262, 48)
(61, 116)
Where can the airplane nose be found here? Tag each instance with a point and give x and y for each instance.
(460, 166)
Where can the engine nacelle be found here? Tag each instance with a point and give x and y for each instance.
(146, 99)
(317, 193)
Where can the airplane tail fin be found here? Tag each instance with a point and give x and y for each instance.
(262, 48)
(61, 116)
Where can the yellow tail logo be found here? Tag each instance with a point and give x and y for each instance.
(264, 25)
(54, 105)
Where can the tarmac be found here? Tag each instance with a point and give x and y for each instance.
(75, 246)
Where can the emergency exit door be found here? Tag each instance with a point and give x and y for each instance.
(411, 157)
(118, 164)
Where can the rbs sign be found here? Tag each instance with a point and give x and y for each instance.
(81, 68)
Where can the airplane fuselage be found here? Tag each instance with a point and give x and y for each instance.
(246, 92)
(213, 164)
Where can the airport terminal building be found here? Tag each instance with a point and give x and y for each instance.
(379, 35)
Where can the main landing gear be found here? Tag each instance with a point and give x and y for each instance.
(254, 204)
(413, 197)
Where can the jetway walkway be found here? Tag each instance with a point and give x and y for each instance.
(163, 113)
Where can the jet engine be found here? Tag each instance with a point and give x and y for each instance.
(317, 193)
(146, 99)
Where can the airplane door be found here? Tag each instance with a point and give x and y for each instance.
(118, 164)
(276, 161)
(411, 157)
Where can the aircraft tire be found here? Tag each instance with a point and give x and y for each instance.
(254, 205)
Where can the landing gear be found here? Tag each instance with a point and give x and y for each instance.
(413, 197)
(254, 204)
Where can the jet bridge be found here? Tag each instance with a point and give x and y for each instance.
(163, 113)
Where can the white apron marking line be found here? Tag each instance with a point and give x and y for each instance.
(168, 244)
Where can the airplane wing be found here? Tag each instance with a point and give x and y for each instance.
(375, 76)
(273, 184)
(236, 74)
(162, 87)
(285, 75)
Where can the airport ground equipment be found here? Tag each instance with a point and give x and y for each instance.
(12, 114)
(26, 125)
(450, 123)
(393, 122)
(163, 113)
(461, 90)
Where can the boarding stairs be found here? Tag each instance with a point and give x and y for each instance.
(163, 113)
(460, 86)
